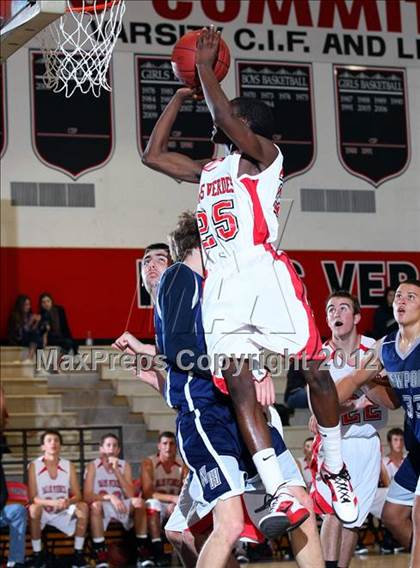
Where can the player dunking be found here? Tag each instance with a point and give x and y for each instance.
(253, 298)
(399, 354)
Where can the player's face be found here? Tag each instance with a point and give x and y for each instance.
(407, 304)
(167, 448)
(51, 444)
(27, 306)
(340, 317)
(154, 263)
(110, 447)
(397, 443)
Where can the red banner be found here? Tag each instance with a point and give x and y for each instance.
(97, 287)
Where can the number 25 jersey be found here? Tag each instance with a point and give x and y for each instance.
(236, 213)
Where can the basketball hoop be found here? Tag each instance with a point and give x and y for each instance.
(78, 47)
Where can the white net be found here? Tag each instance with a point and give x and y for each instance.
(78, 47)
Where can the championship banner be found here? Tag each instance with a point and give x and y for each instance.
(372, 121)
(3, 114)
(73, 135)
(287, 89)
(155, 86)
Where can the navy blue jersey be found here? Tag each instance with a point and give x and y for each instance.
(403, 370)
(180, 337)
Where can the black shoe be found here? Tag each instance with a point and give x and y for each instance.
(361, 549)
(386, 550)
(144, 556)
(39, 560)
(79, 560)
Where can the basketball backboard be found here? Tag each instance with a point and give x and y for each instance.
(20, 20)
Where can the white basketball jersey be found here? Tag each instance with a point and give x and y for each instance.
(48, 488)
(169, 482)
(361, 423)
(237, 213)
(106, 482)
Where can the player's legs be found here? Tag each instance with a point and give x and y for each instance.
(257, 437)
(186, 546)
(97, 533)
(35, 513)
(331, 535)
(305, 540)
(348, 546)
(228, 523)
(398, 519)
(97, 521)
(82, 515)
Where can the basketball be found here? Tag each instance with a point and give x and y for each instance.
(183, 59)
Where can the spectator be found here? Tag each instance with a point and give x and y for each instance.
(24, 327)
(54, 319)
(109, 490)
(394, 459)
(304, 462)
(296, 395)
(391, 463)
(162, 476)
(56, 499)
(383, 319)
(14, 515)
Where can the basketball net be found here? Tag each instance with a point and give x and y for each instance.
(77, 48)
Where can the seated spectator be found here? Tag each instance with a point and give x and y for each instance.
(383, 319)
(304, 462)
(162, 476)
(54, 319)
(56, 499)
(11, 515)
(391, 463)
(24, 327)
(396, 455)
(296, 395)
(109, 490)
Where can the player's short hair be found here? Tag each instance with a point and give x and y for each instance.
(394, 432)
(157, 246)
(109, 435)
(51, 432)
(259, 116)
(167, 434)
(412, 281)
(345, 294)
(310, 439)
(185, 237)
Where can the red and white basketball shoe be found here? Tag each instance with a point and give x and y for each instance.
(344, 501)
(285, 514)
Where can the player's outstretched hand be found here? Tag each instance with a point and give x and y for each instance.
(264, 391)
(207, 47)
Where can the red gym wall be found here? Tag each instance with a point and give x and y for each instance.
(97, 286)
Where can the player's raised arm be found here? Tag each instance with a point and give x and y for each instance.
(158, 157)
(257, 147)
